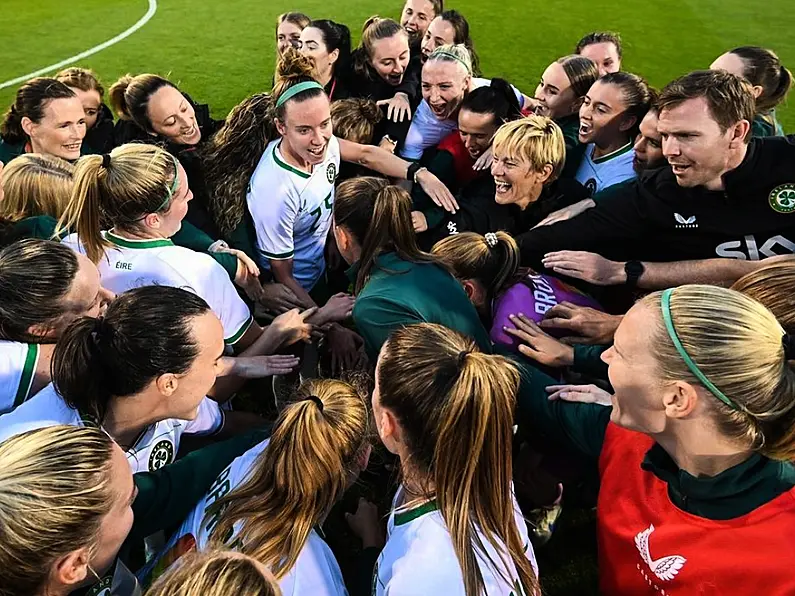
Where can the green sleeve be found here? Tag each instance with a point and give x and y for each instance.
(244, 237)
(189, 236)
(166, 496)
(588, 361)
(376, 318)
(581, 426)
(40, 226)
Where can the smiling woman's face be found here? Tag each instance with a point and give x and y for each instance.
(171, 115)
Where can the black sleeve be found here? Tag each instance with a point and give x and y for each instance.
(411, 82)
(616, 219)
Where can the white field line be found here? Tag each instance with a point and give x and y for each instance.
(89, 52)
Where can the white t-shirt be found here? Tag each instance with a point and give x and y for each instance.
(603, 172)
(17, 370)
(156, 447)
(291, 210)
(419, 558)
(129, 264)
(427, 130)
(316, 571)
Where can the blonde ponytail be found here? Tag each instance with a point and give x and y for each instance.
(298, 478)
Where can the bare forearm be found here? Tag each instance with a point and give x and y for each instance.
(724, 272)
(286, 278)
(374, 158)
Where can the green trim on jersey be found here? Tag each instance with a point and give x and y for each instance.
(28, 370)
(282, 255)
(288, 167)
(240, 332)
(609, 156)
(404, 517)
(127, 243)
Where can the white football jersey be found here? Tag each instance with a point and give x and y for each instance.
(17, 370)
(129, 264)
(156, 447)
(291, 210)
(419, 558)
(603, 172)
(315, 572)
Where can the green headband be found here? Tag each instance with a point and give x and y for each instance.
(295, 90)
(669, 326)
(173, 188)
(444, 54)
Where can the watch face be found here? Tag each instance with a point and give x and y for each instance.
(634, 268)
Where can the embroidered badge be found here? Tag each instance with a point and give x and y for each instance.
(331, 173)
(162, 455)
(782, 198)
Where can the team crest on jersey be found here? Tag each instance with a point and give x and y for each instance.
(331, 173)
(162, 455)
(782, 198)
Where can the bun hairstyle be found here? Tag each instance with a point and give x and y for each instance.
(129, 97)
(455, 407)
(55, 492)
(312, 455)
(375, 28)
(30, 101)
(35, 277)
(378, 216)
(145, 333)
(498, 99)
(355, 119)
(741, 350)
(232, 154)
(336, 36)
(763, 68)
(472, 256)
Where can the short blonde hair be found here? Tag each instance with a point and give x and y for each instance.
(55, 489)
(35, 184)
(737, 344)
(536, 140)
(216, 573)
(457, 54)
(772, 286)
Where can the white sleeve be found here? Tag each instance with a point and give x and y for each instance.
(274, 212)
(209, 280)
(209, 419)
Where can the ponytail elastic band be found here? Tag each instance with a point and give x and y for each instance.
(669, 327)
(462, 357)
(295, 90)
(491, 239)
(443, 54)
(317, 401)
(106, 160)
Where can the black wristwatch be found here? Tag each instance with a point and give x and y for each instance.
(633, 269)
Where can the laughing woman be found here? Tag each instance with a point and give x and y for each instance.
(385, 71)
(448, 29)
(446, 80)
(328, 44)
(46, 117)
(610, 117)
(695, 455)
(99, 118)
(152, 109)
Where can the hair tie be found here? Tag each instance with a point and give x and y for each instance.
(691, 365)
(295, 90)
(106, 160)
(462, 356)
(317, 401)
(788, 343)
(491, 239)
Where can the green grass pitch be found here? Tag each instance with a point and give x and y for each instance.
(219, 51)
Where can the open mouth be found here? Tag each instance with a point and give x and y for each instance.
(585, 128)
(542, 109)
(395, 79)
(502, 187)
(679, 169)
(318, 152)
(73, 146)
(440, 110)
